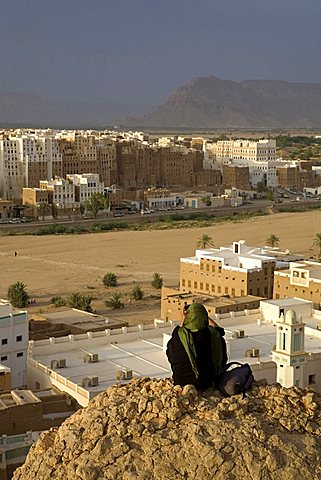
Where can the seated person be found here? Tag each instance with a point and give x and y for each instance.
(197, 349)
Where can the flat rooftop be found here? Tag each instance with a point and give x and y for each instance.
(84, 321)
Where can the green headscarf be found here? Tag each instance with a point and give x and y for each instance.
(196, 319)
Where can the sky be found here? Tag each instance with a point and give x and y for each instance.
(140, 51)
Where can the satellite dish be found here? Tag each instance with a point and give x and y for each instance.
(287, 251)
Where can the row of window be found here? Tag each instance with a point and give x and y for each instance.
(3, 358)
(4, 341)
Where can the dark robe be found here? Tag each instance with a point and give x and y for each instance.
(183, 373)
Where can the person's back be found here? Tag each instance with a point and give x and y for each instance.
(195, 351)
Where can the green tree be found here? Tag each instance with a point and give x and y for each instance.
(137, 292)
(207, 201)
(110, 280)
(205, 241)
(96, 203)
(80, 301)
(317, 243)
(272, 241)
(157, 281)
(18, 295)
(114, 301)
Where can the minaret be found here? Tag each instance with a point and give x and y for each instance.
(289, 354)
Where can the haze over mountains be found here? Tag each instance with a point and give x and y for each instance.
(19, 109)
(204, 102)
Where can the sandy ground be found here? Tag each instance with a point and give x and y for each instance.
(60, 265)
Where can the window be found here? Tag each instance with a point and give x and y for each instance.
(296, 343)
(312, 379)
(201, 285)
(19, 338)
(4, 358)
(183, 284)
(195, 284)
(19, 354)
(226, 290)
(4, 341)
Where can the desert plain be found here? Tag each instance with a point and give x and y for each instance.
(58, 265)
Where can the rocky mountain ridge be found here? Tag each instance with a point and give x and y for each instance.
(150, 429)
(210, 102)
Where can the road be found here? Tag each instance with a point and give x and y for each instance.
(255, 206)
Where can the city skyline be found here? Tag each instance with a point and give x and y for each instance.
(141, 51)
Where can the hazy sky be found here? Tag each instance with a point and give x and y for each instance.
(140, 51)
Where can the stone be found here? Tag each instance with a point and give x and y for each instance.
(152, 430)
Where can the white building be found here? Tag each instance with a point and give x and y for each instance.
(14, 336)
(84, 365)
(261, 150)
(24, 160)
(86, 185)
(62, 191)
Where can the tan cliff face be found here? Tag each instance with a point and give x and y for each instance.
(149, 429)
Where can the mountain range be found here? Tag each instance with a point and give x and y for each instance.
(211, 102)
(204, 102)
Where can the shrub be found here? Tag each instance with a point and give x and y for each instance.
(114, 301)
(58, 301)
(157, 281)
(110, 280)
(18, 295)
(80, 301)
(137, 292)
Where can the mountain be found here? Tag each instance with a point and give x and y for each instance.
(149, 429)
(210, 102)
(17, 109)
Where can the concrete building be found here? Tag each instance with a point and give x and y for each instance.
(261, 150)
(301, 279)
(14, 342)
(236, 177)
(173, 302)
(6, 209)
(86, 184)
(24, 161)
(237, 271)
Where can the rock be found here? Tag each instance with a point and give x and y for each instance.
(151, 430)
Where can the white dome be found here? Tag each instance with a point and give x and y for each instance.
(290, 317)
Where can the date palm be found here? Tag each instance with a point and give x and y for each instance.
(272, 241)
(205, 241)
(317, 243)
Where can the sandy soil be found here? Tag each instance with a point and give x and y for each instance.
(60, 265)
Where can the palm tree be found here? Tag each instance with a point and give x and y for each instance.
(18, 295)
(114, 301)
(272, 241)
(317, 243)
(205, 241)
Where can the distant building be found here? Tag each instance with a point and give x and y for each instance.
(302, 279)
(237, 271)
(86, 184)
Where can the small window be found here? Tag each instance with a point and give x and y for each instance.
(19, 338)
(19, 354)
(312, 379)
(4, 358)
(4, 341)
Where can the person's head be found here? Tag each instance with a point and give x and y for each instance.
(195, 317)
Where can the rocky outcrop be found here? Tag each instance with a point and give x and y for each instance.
(211, 102)
(149, 429)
